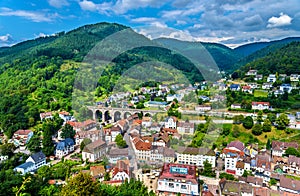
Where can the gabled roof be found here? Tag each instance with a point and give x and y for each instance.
(38, 156)
(237, 144)
(26, 165)
(65, 143)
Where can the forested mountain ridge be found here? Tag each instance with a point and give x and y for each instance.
(285, 60)
(224, 57)
(248, 49)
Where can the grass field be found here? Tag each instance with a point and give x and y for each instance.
(260, 93)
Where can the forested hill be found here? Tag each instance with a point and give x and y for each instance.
(285, 60)
(224, 57)
(248, 49)
(258, 50)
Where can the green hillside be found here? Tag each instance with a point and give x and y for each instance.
(285, 60)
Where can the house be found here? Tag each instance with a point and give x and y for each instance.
(83, 126)
(32, 163)
(247, 89)
(286, 88)
(204, 98)
(293, 165)
(235, 87)
(289, 185)
(294, 78)
(253, 85)
(94, 151)
(185, 128)
(258, 77)
(142, 149)
(278, 92)
(146, 121)
(46, 115)
(92, 135)
(252, 180)
(64, 148)
(297, 115)
(260, 105)
(232, 153)
(278, 148)
(38, 159)
(116, 154)
(97, 172)
(120, 174)
(178, 179)
(25, 168)
(203, 108)
(21, 137)
(251, 72)
(263, 167)
(267, 86)
(171, 98)
(111, 133)
(66, 116)
(236, 106)
(171, 122)
(156, 104)
(271, 78)
(231, 188)
(195, 156)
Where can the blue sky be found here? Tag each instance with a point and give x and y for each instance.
(230, 22)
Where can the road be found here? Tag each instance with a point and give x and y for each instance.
(131, 154)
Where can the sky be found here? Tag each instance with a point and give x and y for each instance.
(229, 22)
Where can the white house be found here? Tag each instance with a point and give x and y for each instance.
(171, 122)
(260, 105)
(286, 88)
(195, 156)
(64, 148)
(271, 78)
(94, 151)
(46, 115)
(185, 128)
(289, 185)
(92, 135)
(267, 86)
(203, 108)
(32, 163)
(294, 78)
(146, 121)
(236, 106)
(251, 72)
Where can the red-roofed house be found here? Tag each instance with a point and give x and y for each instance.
(260, 105)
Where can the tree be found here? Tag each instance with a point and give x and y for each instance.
(248, 122)
(67, 132)
(282, 121)
(271, 117)
(236, 131)
(292, 151)
(7, 149)
(238, 119)
(48, 147)
(34, 144)
(85, 142)
(80, 185)
(121, 143)
(268, 145)
(267, 126)
(207, 170)
(259, 116)
(227, 176)
(257, 129)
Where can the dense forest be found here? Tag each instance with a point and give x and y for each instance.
(284, 60)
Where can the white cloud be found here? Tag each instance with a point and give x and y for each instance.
(282, 20)
(5, 38)
(58, 3)
(103, 8)
(143, 19)
(29, 15)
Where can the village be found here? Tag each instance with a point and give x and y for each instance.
(156, 148)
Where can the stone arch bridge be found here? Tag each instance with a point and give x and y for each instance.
(115, 114)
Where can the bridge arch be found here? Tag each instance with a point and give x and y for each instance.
(117, 116)
(126, 114)
(107, 116)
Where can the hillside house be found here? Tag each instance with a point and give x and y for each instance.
(260, 105)
(64, 148)
(271, 78)
(95, 151)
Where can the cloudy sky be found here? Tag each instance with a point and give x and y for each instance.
(230, 22)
